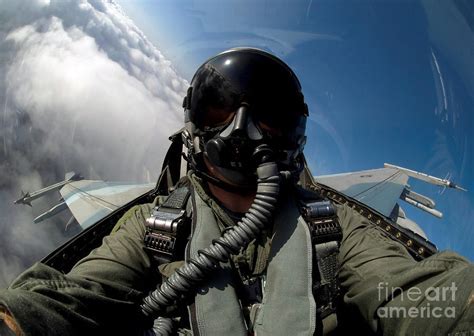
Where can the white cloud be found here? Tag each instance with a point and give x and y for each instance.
(81, 88)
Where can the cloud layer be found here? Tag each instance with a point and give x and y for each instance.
(81, 88)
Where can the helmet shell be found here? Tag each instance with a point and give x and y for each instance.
(267, 87)
(251, 76)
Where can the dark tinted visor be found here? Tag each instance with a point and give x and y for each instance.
(215, 100)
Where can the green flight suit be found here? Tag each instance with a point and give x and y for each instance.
(102, 293)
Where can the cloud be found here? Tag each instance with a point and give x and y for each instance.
(81, 88)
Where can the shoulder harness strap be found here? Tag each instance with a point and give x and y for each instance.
(326, 235)
(166, 230)
(171, 170)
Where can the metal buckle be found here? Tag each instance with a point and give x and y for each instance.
(322, 220)
(166, 221)
(319, 209)
(161, 243)
(162, 231)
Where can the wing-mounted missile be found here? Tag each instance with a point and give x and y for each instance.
(426, 178)
(27, 198)
(420, 201)
(420, 205)
(51, 212)
(376, 193)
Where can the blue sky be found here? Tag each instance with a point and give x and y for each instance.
(385, 82)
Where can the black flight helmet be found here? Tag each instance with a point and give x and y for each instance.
(239, 100)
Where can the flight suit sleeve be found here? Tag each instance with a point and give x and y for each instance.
(396, 294)
(100, 295)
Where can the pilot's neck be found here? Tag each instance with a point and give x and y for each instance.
(235, 202)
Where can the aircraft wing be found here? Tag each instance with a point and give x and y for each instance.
(382, 189)
(97, 205)
(91, 200)
(379, 189)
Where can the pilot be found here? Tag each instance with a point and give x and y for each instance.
(246, 243)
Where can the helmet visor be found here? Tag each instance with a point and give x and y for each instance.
(215, 101)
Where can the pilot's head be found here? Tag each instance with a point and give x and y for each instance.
(244, 106)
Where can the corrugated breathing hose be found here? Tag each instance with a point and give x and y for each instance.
(189, 276)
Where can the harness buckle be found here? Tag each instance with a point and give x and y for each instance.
(165, 219)
(162, 231)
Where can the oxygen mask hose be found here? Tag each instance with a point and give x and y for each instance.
(188, 277)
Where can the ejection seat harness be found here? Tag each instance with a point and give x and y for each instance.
(167, 228)
(167, 231)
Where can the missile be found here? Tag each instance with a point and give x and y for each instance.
(425, 177)
(51, 212)
(28, 197)
(421, 206)
(426, 201)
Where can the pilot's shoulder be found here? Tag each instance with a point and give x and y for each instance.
(137, 214)
(344, 212)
